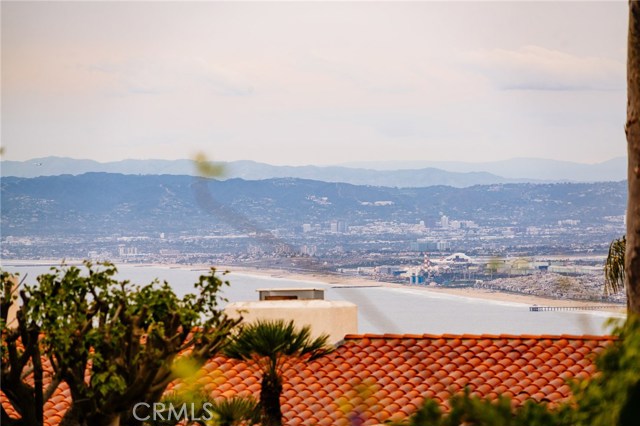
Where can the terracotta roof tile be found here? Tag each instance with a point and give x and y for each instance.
(386, 377)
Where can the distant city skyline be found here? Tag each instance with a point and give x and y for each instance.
(314, 83)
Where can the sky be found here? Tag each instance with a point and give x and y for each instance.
(314, 83)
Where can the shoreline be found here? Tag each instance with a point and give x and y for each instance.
(353, 281)
(468, 292)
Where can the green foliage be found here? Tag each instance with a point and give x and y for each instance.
(202, 410)
(613, 396)
(269, 345)
(470, 410)
(20, 357)
(236, 410)
(8, 298)
(126, 337)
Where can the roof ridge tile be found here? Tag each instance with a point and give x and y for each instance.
(480, 336)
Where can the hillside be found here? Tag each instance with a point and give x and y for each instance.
(102, 203)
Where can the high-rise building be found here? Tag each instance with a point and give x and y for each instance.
(309, 250)
(443, 246)
(339, 227)
(127, 251)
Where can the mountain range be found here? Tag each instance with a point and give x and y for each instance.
(519, 168)
(387, 174)
(106, 203)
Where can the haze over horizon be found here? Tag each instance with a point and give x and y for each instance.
(340, 164)
(314, 83)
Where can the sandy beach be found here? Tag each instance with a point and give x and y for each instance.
(351, 281)
(338, 280)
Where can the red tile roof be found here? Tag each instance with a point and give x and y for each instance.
(387, 377)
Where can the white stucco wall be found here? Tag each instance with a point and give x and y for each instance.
(335, 318)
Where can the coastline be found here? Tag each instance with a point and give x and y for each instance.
(351, 281)
(468, 292)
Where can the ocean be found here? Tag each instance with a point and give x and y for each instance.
(383, 309)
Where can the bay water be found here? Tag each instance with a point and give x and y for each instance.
(381, 309)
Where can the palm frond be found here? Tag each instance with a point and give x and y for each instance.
(276, 341)
(614, 276)
(235, 410)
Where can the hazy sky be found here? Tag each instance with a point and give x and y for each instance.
(314, 83)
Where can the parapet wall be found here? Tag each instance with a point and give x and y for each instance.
(335, 318)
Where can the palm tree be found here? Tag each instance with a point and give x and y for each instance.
(226, 412)
(614, 267)
(269, 345)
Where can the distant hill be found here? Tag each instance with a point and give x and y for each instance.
(407, 178)
(519, 168)
(104, 204)
(53, 166)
